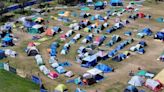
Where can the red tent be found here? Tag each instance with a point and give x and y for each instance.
(31, 44)
(49, 32)
(141, 15)
(97, 39)
(53, 75)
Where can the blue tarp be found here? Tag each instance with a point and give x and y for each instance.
(104, 68)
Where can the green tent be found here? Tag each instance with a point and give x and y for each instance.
(35, 29)
(99, 3)
(61, 88)
(85, 9)
(87, 29)
(1, 65)
(141, 73)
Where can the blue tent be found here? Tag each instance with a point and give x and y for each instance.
(159, 35)
(119, 57)
(143, 43)
(56, 29)
(146, 31)
(116, 2)
(141, 51)
(99, 5)
(128, 33)
(79, 90)
(2, 54)
(112, 53)
(28, 24)
(104, 68)
(7, 41)
(131, 88)
(60, 70)
(89, 61)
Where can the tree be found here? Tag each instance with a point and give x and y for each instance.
(22, 2)
(2, 6)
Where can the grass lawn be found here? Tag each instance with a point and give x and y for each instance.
(10, 82)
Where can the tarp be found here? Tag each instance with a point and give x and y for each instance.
(36, 79)
(160, 76)
(136, 81)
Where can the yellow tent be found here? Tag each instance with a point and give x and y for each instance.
(66, 14)
(61, 88)
(160, 76)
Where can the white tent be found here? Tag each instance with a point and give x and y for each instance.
(94, 71)
(54, 65)
(136, 81)
(69, 74)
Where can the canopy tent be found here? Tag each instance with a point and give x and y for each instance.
(136, 81)
(61, 88)
(116, 2)
(89, 61)
(160, 76)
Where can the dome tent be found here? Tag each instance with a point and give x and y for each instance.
(116, 2)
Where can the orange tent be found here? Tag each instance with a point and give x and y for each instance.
(49, 32)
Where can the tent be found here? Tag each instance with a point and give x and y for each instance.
(36, 29)
(89, 61)
(32, 51)
(141, 73)
(141, 15)
(116, 2)
(159, 35)
(69, 74)
(79, 90)
(160, 76)
(61, 88)
(142, 43)
(102, 55)
(119, 57)
(96, 74)
(44, 69)
(7, 41)
(2, 54)
(112, 53)
(49, 32)
(141, 51)
(60, 70)
(160, 19)
(131, 88)
(104, 68)
(154, 85)
(128, 33)
(99, 5)
(56, 29)
(146, 31)
(136, 81)
(85, 9)
(53, 75)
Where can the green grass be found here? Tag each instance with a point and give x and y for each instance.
(10, 82)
